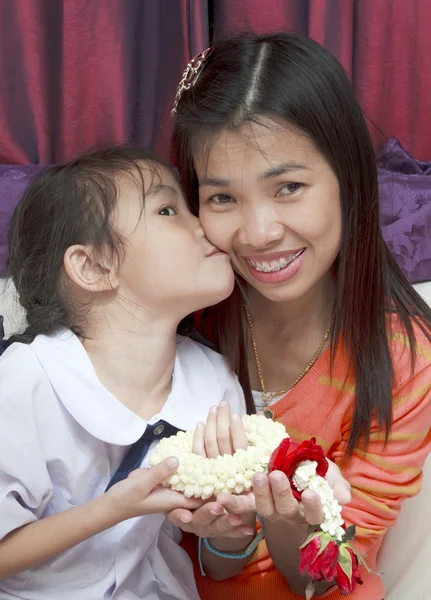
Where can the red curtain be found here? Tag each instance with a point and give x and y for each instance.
(385, 46)
(74, 73)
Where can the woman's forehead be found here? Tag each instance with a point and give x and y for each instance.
(254, 146)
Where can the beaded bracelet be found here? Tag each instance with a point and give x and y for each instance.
(234, 555)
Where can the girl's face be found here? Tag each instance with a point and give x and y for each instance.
(169, 266)
(270, 199)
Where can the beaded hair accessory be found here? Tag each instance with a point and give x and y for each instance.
(190, 76)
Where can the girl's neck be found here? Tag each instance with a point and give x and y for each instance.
(134, 357)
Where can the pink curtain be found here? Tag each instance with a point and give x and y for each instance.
(385, 46)
(74, 73)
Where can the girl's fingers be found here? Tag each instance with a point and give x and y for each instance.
(199, 440)
(263, 496)
(239, 437)
(211, 444)
(312, 507)
(224, 440)
(284, 501)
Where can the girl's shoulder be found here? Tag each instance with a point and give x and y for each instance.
(205, 369)
(190, 350)
(23, 374)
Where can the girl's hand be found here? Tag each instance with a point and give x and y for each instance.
(275, 501)
(142, 493)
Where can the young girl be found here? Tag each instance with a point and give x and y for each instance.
(323, 329)
(107, 261)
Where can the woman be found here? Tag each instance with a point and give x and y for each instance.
(323, 329)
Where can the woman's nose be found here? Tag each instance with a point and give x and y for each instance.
(260, 227)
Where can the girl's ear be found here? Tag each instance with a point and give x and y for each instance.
(90, 270)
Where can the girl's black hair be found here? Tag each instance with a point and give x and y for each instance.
(292, 79)
(69, 204)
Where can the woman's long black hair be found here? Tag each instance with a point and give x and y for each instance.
(290, 78)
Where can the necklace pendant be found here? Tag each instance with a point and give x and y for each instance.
(267, 397)
(267, 413)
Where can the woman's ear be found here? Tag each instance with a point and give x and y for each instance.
(90, 270)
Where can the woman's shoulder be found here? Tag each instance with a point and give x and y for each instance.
(411, 362)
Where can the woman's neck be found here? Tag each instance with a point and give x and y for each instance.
(134, 357)
(291, 319)
(287, 335)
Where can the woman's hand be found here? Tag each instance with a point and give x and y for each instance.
(275, 501)
(223, 433)
(228, 516)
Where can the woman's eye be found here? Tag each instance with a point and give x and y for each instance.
(221, 199)
(290, 188)
(167, 211)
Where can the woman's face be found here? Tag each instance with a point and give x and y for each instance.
(270, 200)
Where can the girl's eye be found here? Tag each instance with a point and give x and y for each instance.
(221, 199)
(167, 211)
(290, 188)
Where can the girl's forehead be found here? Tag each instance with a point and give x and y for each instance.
(145, 176)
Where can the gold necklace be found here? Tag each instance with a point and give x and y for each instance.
(268, 396)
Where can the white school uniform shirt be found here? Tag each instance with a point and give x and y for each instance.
(62, 437)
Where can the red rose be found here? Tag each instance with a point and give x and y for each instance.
(277, 457)
(320, 565)
(308, 450)
(345, 583)
(307, 556)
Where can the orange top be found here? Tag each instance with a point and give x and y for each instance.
(380, 478)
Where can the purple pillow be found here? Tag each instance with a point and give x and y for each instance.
(405, 208)
(13, 180)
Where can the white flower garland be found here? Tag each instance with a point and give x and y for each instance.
(201, 477)
(205, 477)
(306, 478)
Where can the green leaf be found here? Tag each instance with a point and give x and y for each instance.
(324, 541)
(310, 538)
(350, 533)
(345, 561)
(361, 559)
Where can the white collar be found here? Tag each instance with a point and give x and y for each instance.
(74, 380)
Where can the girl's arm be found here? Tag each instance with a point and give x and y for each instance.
(36, 542)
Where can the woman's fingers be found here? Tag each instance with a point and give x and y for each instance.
(312, 507)
(224, 439)
(244, 503)
(285, 503)
(341, 487)
(342, 491)
(210, 520)
(239, 436)
(263, 496)
(199, 440)
(211, 443)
